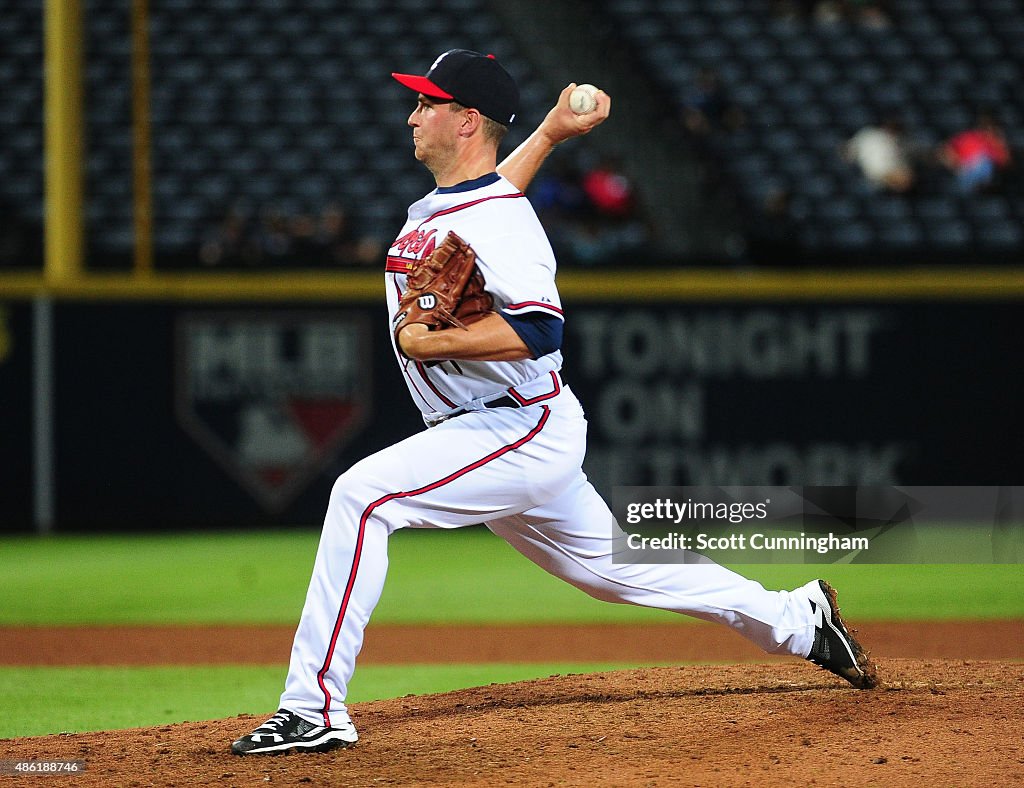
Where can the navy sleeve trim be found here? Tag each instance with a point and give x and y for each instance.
(541, 333)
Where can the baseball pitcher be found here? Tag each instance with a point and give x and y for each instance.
(476, 330)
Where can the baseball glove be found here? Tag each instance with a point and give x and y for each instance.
(444, 289)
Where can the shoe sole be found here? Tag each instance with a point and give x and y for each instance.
(867, 677)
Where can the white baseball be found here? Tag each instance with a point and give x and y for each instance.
(583, 99)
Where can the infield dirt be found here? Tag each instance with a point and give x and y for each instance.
(937, 720)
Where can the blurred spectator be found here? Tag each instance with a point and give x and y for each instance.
(609, 190)
(872, 14)
(274, 237)
(883, 155)
(616, 223)
(706, 108)
(829, 12)
(771, 235)
(303, 238)
(557, 192)
(592, 215)
(229, 243)
(791, 10)
(557, 197)
(976, 156)
(338, 243)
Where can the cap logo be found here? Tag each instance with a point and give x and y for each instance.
(440, 57)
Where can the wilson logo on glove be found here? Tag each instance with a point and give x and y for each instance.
(428, 301)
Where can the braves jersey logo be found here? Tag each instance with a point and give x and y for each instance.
(417, 243)
(409, 248)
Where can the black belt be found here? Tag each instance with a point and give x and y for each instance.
(505, 401)
(502, 402)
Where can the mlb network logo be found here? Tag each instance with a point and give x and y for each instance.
(272, 396)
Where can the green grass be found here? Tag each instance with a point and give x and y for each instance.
(156, 579)
(113, 698)
(467, 576)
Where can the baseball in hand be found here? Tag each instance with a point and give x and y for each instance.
(583, 99)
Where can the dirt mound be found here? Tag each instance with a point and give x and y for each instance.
(931, 723)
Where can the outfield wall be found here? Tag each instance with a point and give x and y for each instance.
(170, 412)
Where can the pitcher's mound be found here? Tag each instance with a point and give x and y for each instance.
(930, 723)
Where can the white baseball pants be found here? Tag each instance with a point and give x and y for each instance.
(519, 471)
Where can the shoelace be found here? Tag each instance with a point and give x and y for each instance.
(274, 722)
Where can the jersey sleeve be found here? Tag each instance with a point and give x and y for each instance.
(540, 332)
(520, 273)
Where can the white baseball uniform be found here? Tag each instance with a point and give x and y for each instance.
(516, 468)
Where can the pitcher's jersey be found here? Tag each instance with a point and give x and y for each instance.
(515, 258)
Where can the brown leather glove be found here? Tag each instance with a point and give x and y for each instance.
(444, 289)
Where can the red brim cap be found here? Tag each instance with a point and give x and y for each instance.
(422, 85)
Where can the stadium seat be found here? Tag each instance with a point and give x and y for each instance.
(855, 236)
(1003, 235)
(903, 234)
(259, 104)
(256, 102)
(949, 235)
(808, 86)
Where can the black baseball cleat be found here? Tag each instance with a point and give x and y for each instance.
(286, 731)
(835, 648)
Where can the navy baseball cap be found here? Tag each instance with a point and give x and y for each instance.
(473, 80)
